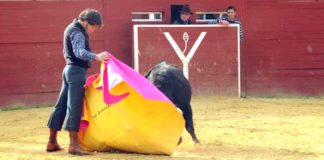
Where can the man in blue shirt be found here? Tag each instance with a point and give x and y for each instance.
(78, 57)
(229, 19)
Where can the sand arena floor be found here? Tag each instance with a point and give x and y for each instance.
(229, 128)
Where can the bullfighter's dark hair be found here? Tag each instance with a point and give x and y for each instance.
(92, 16)
(231, 7)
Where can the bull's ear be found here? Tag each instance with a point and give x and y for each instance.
(163, 62)
(148, 73)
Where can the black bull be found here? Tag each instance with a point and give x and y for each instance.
(171, 81)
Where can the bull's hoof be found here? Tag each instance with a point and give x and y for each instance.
(180, 141)
(199, 146)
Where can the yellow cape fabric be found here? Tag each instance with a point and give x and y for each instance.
(134, 124)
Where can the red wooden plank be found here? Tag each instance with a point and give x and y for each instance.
(38, 99)
(282, 51)
(39, 21)
(33, 67)
(283, 40)
(212, 68)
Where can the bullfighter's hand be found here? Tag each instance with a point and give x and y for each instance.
(103, 57)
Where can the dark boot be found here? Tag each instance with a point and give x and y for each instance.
(52, 145)
(74, 147)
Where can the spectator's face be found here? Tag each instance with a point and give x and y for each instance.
(185, 16)
(231, 14)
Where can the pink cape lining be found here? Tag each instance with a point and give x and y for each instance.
(113, 71)
(134, 79)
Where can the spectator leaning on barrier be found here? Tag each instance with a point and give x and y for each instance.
(77, 54)
(185, 14)
(229, 19)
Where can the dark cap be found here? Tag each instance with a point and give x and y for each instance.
(186, 9)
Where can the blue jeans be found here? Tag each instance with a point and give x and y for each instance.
(70, 100)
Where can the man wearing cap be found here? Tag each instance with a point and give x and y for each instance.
(78, 55)
(185, 13)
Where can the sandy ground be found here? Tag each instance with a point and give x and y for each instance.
(229, 128)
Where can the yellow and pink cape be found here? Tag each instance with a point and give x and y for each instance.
(124, 111)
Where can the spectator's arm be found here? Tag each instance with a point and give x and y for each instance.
(214, 21)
